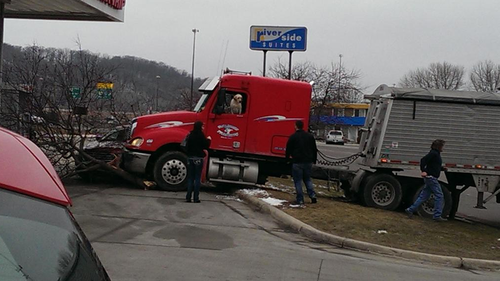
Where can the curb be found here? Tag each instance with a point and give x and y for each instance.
(342, 242)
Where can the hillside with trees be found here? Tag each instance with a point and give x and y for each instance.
(136, 81)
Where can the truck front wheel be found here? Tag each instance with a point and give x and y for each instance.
(382, 191)
(170, 171)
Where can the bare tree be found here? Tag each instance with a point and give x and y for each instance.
(485, 76)
(331, 84)
(187, 100)
(300, 71)
(62, 105)
(436, 76)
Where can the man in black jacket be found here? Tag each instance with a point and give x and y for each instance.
(430, 165)
(301, 146)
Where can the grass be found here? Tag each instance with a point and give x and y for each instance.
(351, 220)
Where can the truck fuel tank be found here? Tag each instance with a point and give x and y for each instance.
(230, 170)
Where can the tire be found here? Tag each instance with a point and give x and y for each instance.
(261, 179)
(382, 191)
(170, 171)
(426, 210)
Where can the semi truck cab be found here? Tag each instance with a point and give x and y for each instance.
(248, 137)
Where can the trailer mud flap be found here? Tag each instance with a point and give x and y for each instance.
(356, 182)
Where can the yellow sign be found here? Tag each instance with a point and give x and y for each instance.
(108, 86)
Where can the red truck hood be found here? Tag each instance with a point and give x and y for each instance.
(167, 120)
(25, 169)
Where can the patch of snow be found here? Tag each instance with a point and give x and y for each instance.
(279, 187)
(382, 231)
(226, 197)
(295, 206)
(255, 192)
(273, 201)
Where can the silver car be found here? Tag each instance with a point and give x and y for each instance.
(335, 137)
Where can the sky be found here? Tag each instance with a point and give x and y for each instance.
(383, 39)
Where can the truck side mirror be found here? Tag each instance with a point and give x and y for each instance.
(221, 100)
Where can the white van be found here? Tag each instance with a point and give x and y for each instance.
(335, 137)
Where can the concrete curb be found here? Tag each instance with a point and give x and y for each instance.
(320, 236)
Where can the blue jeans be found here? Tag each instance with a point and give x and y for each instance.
(431, 186)
(301, 172)
(195, 166)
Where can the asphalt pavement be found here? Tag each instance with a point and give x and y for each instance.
(155, 235)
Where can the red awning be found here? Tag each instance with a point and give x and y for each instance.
(86, 10)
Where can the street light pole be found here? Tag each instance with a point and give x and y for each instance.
(157, 90)
(192, 65)
(340, 75)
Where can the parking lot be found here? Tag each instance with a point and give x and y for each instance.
(154, 235)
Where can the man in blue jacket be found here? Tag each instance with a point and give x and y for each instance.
(430, 165)
(301, 146)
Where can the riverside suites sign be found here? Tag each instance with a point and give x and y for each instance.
(116, 4)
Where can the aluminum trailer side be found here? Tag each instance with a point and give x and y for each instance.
(399, 128)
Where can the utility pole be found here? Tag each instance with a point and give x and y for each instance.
(192, 66)
(340, 76)
(157, 90)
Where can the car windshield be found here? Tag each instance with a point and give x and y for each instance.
(39, 241)
(202, 102)
(335, 133)
(115, 135)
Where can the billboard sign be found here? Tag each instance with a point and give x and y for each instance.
(278, 38)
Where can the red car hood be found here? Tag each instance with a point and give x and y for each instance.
(24, 168)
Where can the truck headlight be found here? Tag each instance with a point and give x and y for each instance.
(136, 142)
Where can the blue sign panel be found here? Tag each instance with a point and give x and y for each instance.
(278, 38)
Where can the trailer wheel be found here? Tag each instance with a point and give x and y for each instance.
(382, 191)
(426, 210)
(170, 171)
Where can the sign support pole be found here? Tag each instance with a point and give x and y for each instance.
(264, 67)
(290, 65)
(2, 21)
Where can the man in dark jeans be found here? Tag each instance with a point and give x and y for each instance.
(430, 165)
(301, 146)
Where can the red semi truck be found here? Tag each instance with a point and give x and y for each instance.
(246, 147)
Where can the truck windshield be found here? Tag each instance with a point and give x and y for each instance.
(202, 102)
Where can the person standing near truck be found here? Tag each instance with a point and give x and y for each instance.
(196, 143)
(430, 165)
(301, 146)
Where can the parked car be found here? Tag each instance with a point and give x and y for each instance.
(39, 237)
(335, 137)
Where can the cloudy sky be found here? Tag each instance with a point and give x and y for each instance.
(383, 39)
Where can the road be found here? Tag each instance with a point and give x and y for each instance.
(490, 215)
(154, 235)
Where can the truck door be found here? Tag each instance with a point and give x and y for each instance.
(227, 122)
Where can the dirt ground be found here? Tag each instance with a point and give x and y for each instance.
(334, 215)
